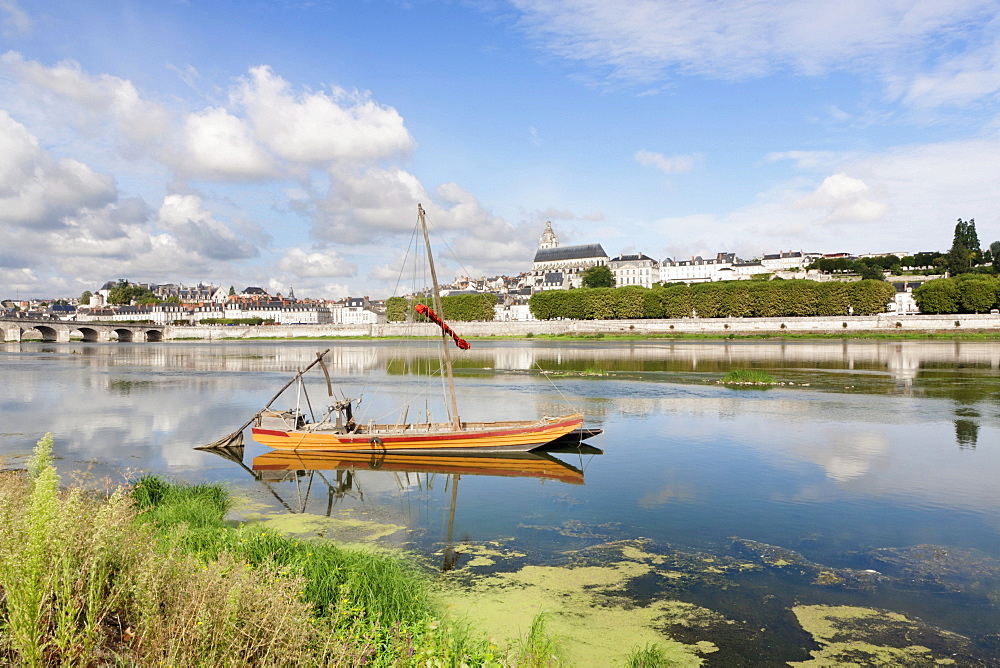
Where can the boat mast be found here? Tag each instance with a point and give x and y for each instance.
(456, 423)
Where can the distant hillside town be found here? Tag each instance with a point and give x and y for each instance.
(554, 267)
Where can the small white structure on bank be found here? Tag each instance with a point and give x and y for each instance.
(355, 311)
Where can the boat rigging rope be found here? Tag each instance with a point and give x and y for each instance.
(436, 319)
(556, 388)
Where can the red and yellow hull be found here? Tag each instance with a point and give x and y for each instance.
(481, 436)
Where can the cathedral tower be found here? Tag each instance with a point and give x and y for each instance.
(548, 239)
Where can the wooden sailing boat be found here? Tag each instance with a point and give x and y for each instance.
(338, 431)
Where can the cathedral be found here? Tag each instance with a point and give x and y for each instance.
(558, 267)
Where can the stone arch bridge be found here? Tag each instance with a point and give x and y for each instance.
(60, 331)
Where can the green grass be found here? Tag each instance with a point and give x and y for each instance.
(650, 656)
(748, 376)
(152, 574)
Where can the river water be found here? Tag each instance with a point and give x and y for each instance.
(877, 458)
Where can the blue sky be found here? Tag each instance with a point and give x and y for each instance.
(287, 143)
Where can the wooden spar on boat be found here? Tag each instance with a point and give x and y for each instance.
(456, 422)
(236, 438)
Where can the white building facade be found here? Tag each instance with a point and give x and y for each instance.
(638, 269)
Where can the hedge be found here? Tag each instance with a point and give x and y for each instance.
(966, 293)
(725, 299)
(457, 308)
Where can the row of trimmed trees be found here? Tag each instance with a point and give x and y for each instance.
(457, 308)
(727, 299)
(965, 293)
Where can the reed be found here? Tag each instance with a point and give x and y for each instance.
(748, 377)
(540, 648)
(649, 656)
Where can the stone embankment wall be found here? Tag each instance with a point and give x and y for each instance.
(721, 326)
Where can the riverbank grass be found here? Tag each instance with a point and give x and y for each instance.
(152, 574)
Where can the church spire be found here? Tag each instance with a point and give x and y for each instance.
(548, 239)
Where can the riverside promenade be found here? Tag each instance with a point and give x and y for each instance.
(846, 325)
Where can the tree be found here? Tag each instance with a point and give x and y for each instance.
(871, 272)
(937, 296)
(870, 297)
(995, 250)
(971, 238)
(598, 277)
(977, 294)
(833, 298)
(85, 297)
(232, 291)
(959, 260)
(395, 309)
(965, 248)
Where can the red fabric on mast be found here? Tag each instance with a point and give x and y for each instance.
(434, 317)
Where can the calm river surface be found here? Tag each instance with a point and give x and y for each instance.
(873, 457)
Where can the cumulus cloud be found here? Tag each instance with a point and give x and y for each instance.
(844, 199)
(642, 41)
(97, 100)
(318, 264)
(678, 164)
(218, 146)
(318, 128)
(195, 230)
(37, 190)
(363, 205)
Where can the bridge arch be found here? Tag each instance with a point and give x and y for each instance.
(90, 335)
(154, 335)
(49, 334)
(124, 335)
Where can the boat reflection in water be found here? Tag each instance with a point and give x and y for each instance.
(337, 471)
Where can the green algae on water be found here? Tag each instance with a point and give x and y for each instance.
(589, 607)
(866, 637)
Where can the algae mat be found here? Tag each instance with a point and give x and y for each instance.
(586, 607)
(852, 636)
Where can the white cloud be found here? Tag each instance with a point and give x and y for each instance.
(318, 264)
(13, 19)
(678, 164)
(961, 80)
(644, 41)
(319, 128)
(843, 198)
(219, 146)
(96, 100)
(37, 190)
(364, 205)
(195, 230)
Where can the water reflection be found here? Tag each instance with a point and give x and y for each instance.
(891, 446)
(966, 433)
(296, 480)
(903, 361)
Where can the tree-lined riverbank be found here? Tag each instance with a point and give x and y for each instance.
(885, 325)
